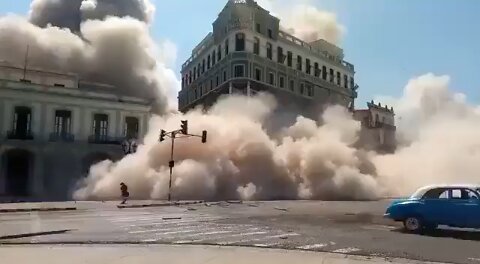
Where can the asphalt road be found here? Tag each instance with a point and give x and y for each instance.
(338, 227)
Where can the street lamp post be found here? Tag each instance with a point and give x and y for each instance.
(174, 135)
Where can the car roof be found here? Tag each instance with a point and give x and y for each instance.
(421, 191)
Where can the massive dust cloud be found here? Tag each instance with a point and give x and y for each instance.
(438, 143)
(244, 158)
(104, 41)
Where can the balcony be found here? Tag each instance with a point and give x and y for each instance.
(61, 137)
(19, 135)
(105, 140)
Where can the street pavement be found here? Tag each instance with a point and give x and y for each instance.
(355, 228)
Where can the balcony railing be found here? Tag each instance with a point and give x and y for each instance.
(106, 140)
(61, 137)
(20, 135)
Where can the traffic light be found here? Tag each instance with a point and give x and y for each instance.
(184, 127)
(204, 136)
(163, 133)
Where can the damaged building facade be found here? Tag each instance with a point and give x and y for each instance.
(53, 127)
(247, 53)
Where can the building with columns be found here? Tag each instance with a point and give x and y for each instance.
(53, 127)
(247, 52)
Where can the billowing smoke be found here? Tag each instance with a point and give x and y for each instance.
(242, 161)
(440, 137)
(439, 143)
(304, 20)
(104, 41)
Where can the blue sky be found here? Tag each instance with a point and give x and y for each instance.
(388, 41)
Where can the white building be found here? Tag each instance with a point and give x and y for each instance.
(247, 52)
(53, 127)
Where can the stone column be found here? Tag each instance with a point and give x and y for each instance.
(37, 174)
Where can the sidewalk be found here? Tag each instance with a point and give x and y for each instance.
(84, 205)
(36, 207)
(128, 254)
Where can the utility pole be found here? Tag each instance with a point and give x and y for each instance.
(183, 131)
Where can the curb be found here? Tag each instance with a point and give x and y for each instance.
(37, 210)
(159, 204)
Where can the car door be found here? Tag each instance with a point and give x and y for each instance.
(471, 209)
(436, 208)
(446, 208)
(457, 208)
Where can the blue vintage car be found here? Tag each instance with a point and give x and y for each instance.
(428, 207)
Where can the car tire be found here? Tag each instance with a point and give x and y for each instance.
(413, 224)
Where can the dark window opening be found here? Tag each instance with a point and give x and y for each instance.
(289, 58)
(224, 76)
(317, 70)
(258, 28)
(63, 122)
(59, 85)
(280, 57)
(100, 126)
(240, 42)
(219, 52)
(299, 63)
(308, 66)
(194, 73)
(269, 51)
(190, 77)
(22, 124)
(345, 81)
(332, 75)
(211, 85)
(199, 68)
(208, 62)
(18, 164)
(352, 82)
(131, 127)
(339, 79)
(271, 78)
(203, 66)
(218, 81)
(226, 47)
(270, 34)
(256, 46)
(201, 90)
(282, 82)
(310, 90)
(258, 74)
(292, 85)
(239, 70)
(213, 58)
(324, 72)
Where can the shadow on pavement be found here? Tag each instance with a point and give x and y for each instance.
(447, 233)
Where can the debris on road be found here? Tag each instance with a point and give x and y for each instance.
(235, 202)
(281, 209)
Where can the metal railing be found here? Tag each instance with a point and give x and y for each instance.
(106, 140)
(61, 137)
(20, 135)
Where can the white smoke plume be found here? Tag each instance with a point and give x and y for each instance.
(440, 136)
(440, 144)
(242, 161)
(306, 21)
(106, 41)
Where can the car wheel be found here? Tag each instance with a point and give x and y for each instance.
(412, 224)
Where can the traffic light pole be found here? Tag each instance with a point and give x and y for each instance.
(171, 164)
(173, 136)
